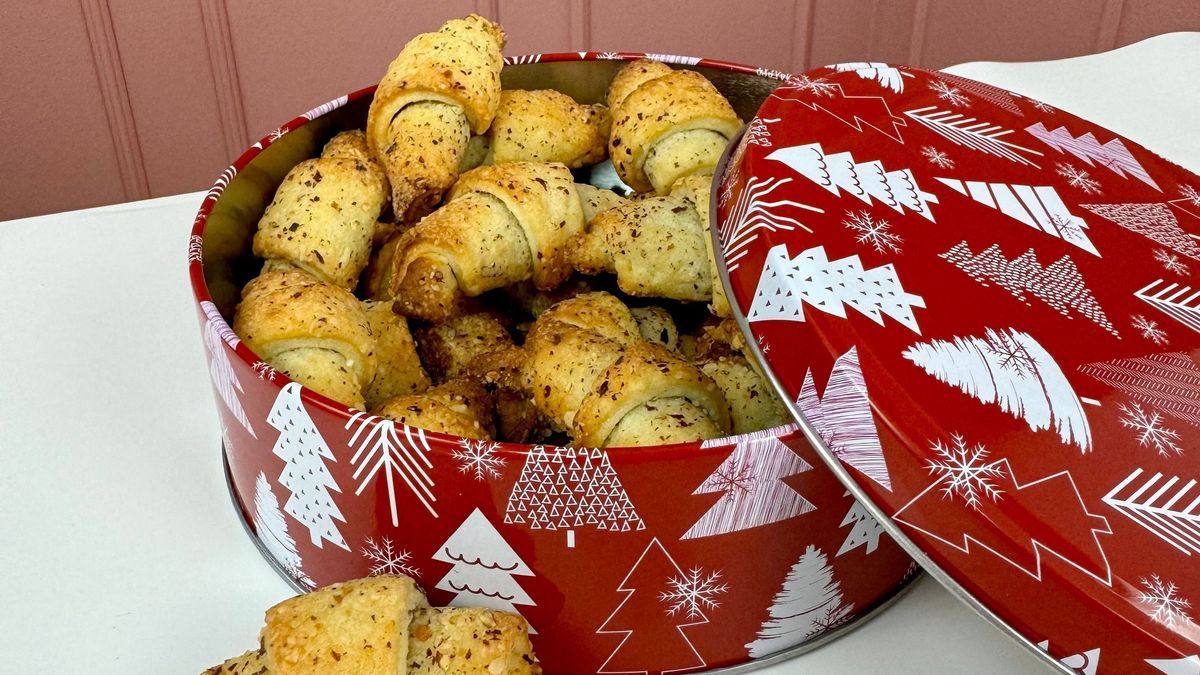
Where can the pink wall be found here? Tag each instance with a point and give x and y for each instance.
(104, 101)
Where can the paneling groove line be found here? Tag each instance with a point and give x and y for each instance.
(106, 60)
(579, 16)
(231, 111)
(802, 31)
(916, 47)
(1110, 25)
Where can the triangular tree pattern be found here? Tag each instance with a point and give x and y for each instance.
(1010, 369)
(568, 489)
(1168, 382)
(1112, 154)
(1155, 221)
(1188, 665)
(887, 76)
(753, 492)
(1085, 663)
(786, 285)
(842, 417)
(653, 640)
(856, 111)
(1058, 284)
(484, 567)
(216, 333)
(809, 603)
(971, 132)
(304, 451)
(1181, 303)
(272, 531)
(864, 530)
(1037, 206)
(987, 92)
(1163, 506)
(868, 181)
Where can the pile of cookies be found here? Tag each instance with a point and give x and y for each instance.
(444, 268)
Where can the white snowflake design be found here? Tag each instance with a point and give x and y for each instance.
(1191, 194)
(877, 233)
(1162, 602)
(758, 133)
(478, 458)
(1012, 354)
(275, 135)
(949, 94)
(734, 481)
(965, 472)
(817, 86)
(692, 593)
(1150, 330)
(937, 157)
(195, 248)
(1170, 261)
(1044, 107)
(385, 558)
(265, 371)
(1078, 178)
(771, 73)
(831, 618)
(1150, 429)
(608, 56)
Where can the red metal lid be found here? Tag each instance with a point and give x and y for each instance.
(985, 313)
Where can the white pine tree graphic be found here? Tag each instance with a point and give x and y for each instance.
(1164, 507)
(1000, 97)
(217, 332)
(304, 452)
(809, 604)
(842, 417)
(1188, 665)
(272, 531)
(1037, 206)
(887, 76)
(1010, 369)
(787, 284)
(1168, 382)
(750, 482)
(484, 567)
(1181, 303)
(1112, 155)
(1058, 284)
(754, 212)
(971, 132)
(864, 530)
(399, 456)
(1155, 221)
(868, 181)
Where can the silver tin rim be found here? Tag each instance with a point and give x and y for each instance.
(826, 454)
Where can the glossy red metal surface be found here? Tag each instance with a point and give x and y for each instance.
(991, 310)
(623, 560)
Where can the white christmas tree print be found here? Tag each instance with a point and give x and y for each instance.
(808, 604)
(787, 284)
(1010, 369)
(379, 449)
(814, 86)
(196, 249)
(758, 133)
(1085, 663)
(304, 452)
(690, 594)
(752, 488)
(569, 489)
(964, 471)
(1000, 97)
(217, 334)
(675, 58)
(1188, 665)
(265, 371)
(1041, 105)
(867, 181)
(484, 567)
(1058, 284)
(1037, 206)
(864, 530)
(272, 531)
(1112, 155)
(385, 558)
(887, 76)
(950, 94)
(1164, 507)
(478, 458)
(1181, 303)
(1161, 601)
(1150, 430)
(327, 107)
(1078, 178)
(855, 111)
(608, 56)
(771, 73)
(970, 132)
(1150, 330)
(1190, 194)
(875, 233)
(1170, 262)
(755, 212)
(1168, 382)
(843, 419)
(1155, 221)
(937, 157)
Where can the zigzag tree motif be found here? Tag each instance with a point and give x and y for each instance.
(1113, 154)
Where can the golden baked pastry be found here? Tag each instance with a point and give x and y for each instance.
(459, 407)
(753, 405)
(251, 663)
(447, 347)
(656, 325)
(469, 640)
(398, 369)
(441, 88)
(542, 126)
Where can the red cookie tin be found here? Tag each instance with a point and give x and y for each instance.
(662, 559)
(991, 310)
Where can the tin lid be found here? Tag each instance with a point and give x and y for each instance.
(985, 313)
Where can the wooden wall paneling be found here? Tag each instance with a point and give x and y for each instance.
(759, 33)
(59, 150)
(540, 26)
(294, 56)
(1141, 19)
(861, 30)
(185, 141)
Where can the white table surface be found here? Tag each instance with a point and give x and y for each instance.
(121, 552)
